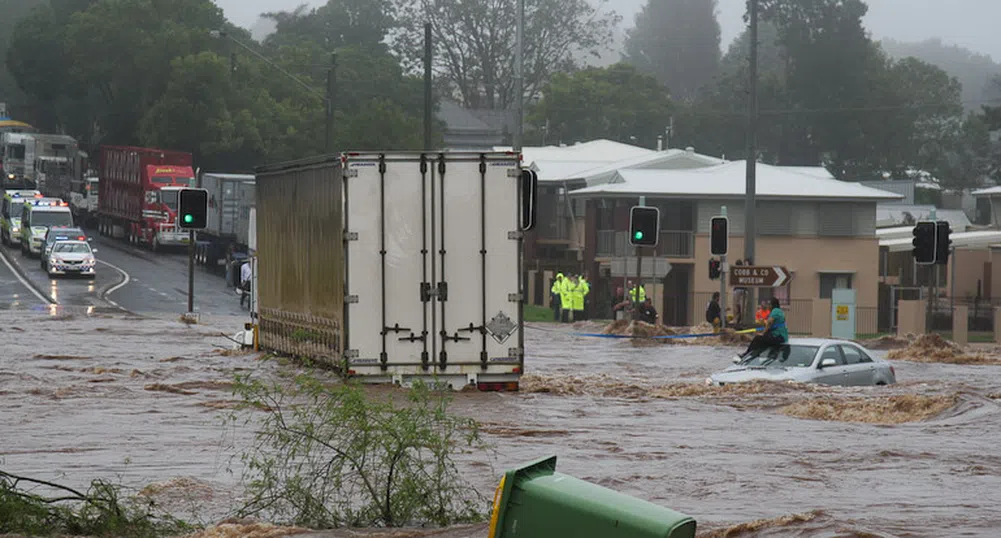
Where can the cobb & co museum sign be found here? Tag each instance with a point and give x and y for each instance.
(758, 276)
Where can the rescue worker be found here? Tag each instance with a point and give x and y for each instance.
(713, 315)
(555, 292)
(775, 332)
(586, 289)
(566, 299)
(578, 298)
(637, 294)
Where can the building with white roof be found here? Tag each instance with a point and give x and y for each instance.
(820, 229)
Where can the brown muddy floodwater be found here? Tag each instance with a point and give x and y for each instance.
(143, 401)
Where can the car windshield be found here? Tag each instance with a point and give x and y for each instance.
(51, 218)
(170, 199)
(62, 234)
(783, 356)
(72, 248)
(16, 211)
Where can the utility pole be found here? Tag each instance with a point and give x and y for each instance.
(639, 274)
(519, 86)
(428, 97)
(331, 73)
(750, 224)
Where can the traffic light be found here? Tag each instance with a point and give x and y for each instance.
(714, 269)
(529, 196)
(943, 244)
(644, 226)
(192, 213)
(719, 236)
(924, 243)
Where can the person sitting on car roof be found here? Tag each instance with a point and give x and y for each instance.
(775, 332)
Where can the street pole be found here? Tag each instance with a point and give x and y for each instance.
(722, 280)
(428, 98)
(750, 228)
(519, 69)
(639, 274)
(191, 271)
(329, 99)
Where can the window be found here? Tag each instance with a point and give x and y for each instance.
(51, 218)
(832, 352)
(852, 355)
(833, 281)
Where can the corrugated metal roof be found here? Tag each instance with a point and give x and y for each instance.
(598, 151)
(899, 215)
(728, 180)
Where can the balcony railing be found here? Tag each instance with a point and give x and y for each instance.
(672, 244)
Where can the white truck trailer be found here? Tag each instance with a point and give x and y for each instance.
(393, 267)
(225, 237)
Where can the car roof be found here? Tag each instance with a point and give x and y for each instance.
(819, 341)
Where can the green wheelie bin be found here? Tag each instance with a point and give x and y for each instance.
(535, 501)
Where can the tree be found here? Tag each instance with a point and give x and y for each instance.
(617, 102)
(474, 43)
(338, 23)
(11, 13)
(677, 41)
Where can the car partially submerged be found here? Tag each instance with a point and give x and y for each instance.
(809, 360)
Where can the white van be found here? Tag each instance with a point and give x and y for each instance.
(39, 214)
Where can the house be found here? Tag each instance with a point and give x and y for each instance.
(821, 229)
(557, 243)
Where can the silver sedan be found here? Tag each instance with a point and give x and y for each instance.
(809, 360)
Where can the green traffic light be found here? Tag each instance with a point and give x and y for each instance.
(638, 235)
(188, 218)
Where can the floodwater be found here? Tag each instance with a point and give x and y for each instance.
(143, 401)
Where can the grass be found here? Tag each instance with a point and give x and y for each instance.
(535, 313)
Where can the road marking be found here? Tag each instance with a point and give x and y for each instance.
(125, 280)
(25, 282)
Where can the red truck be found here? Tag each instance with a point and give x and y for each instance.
(139, 194)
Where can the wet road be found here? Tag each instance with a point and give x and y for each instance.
(136, 280)
(144, 400)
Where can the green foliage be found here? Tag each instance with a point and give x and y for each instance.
(329, 455)
(617, 102)
(474, 43)
(101, 511)
(150, 72)
(537, 314)
(677, 41)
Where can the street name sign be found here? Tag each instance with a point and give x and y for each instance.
(758, 276)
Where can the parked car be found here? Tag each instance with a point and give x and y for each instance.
(810, 360)
(59, 233)
(72, 258)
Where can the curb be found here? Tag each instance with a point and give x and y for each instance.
(22, 275)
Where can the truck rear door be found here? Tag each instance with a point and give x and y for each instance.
(432, 267)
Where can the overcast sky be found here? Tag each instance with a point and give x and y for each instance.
(970, 23)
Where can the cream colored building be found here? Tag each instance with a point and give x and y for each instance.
(822, 230)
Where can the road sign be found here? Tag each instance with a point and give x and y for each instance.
(758, 276)
(651, 268)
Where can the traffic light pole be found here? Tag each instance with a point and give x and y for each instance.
(639, 273)
(191, 271)
(722, 281)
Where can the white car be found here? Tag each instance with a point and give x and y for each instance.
(72, 258)
(809, 360)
